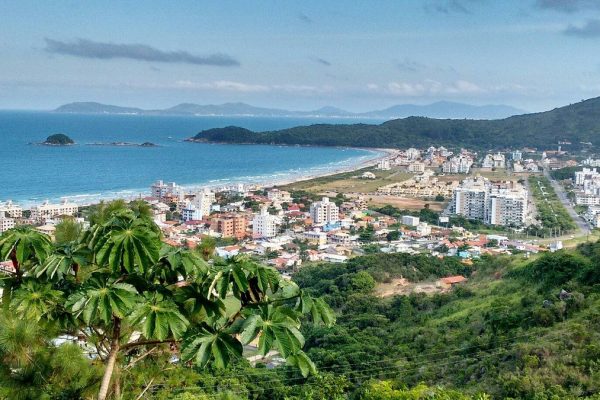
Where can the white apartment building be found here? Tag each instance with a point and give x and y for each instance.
(6, 223)
(264, 225)
(494, 161)
(11, 210)
(495, 204)
(416, 167)
(410, 220)
(516, 155)
(199, 207)
(280, 196)
(458, 165)
(591, 162)
(384, 165)
(46, 210)
(413, 154)
(160, 189)
(324, 212)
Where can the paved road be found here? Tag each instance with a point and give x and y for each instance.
(562, 195)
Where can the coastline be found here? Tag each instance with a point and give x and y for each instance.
(259, 181)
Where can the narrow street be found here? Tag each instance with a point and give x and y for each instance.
(562, 195)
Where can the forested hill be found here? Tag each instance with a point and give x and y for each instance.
(575, 123)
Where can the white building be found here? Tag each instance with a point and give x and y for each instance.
(384, 165)
(423, 229)
(6, 223)
(199, 207)
(324, 212)
(264, 225)
(280, 196)
(458, 165)
(495, 204)
(516, 155)
(416, 167)
(368, 175)
(160, 189)
(11, 210)
(410, 220)
(47, 210)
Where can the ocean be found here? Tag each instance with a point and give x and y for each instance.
(85, 173)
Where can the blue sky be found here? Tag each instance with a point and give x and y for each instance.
(360, 55)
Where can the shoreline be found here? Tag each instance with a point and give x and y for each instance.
(259, 181)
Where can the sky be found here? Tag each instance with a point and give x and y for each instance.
(302, 55)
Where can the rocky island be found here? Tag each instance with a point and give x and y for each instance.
(58, 139)
(124, 144)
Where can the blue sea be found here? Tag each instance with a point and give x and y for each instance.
(85, 173)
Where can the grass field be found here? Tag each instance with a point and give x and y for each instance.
(350, 182)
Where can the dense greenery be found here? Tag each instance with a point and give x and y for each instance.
(517, 330)
(578, 123)
(125, 295)
(551, 214)
(59, 139)
(564, 173)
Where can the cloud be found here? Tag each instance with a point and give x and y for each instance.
(321, 61)
(428, 87)
(227, 86)
(90, 49)
(590, 29)
(568, 6)
(447, 7)
(304, 18)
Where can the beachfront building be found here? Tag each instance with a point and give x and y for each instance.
(324, 212)
(161, 190)
(264, 225)
(384, 165)
(199, 207)
(47, 210)
(503, 203)
(11, 210)
(6, 223)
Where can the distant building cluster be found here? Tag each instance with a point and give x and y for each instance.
(494, 203)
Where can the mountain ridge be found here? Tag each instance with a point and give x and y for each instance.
(578, 123)
(440, 109)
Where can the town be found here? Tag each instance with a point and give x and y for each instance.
(414, 201)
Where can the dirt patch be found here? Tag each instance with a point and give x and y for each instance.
(402, 287)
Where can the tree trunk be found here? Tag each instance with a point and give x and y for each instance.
(15, 263)
(112, 359)
(76, 272)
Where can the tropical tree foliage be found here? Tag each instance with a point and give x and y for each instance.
(124, 294)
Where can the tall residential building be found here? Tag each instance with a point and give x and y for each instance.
(324, 212)
(492, 203)
(47, 210)
(264, 225)
(199, 207)
(230, 225)
(6, 223)
(160, 189)
(11, 210)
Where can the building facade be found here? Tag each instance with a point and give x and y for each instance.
(324, 212)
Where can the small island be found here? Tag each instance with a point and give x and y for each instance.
(123, 144)
(58, 139)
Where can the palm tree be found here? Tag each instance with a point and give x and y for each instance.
(24, 247)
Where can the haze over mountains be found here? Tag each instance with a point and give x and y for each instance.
(440, 109)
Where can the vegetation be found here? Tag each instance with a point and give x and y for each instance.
(516, 330)
(128, 297)
(551, 214)
(579, 122)
(59, 139)
(564, 173)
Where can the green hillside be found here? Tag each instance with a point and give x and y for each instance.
(576, 123)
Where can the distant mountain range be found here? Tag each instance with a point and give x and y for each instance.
(440, 109)
(575, 126)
